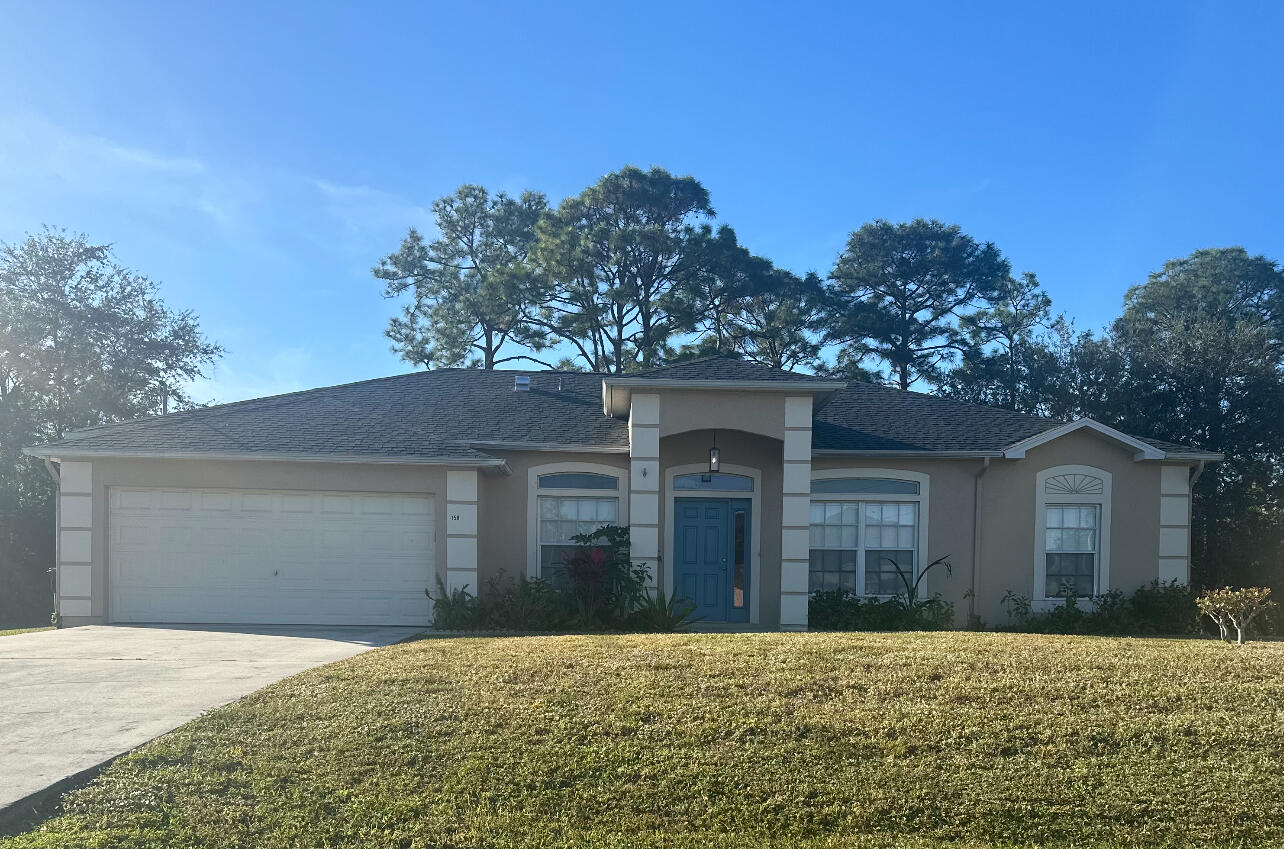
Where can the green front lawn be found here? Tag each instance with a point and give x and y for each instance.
(782, 740)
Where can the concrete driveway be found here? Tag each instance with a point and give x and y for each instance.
(74, 698)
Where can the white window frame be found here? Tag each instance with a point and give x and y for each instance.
(922, 499)
(1042, 501)
(621, 493)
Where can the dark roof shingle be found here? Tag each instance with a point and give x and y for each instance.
(455, 414)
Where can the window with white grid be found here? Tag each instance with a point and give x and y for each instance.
(562, 517)
(1071, 546)
(860, 546)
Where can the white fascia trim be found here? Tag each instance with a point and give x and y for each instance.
(83, 454)
(948, 455)
(1145, 451)
(765, 385)
(1209, 456)
(548, 446)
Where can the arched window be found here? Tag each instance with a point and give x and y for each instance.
(566, 500)
(868, 530)
(1072, 532)
(714, 481)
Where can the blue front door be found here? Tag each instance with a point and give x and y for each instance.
(711, 547)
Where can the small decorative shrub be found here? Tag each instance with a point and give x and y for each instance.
(1237, 609)
(1155, 609)
(660, 615)
(842, 610)
(455, 610)
(598, 588)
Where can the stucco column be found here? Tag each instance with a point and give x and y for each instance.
(461, 530)
(75, 539)
(644, 483)
(1174, 524)
(795, 542)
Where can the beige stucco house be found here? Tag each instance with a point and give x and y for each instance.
(340, 505)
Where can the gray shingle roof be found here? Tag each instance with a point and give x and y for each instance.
(455, 414)
(423, 415)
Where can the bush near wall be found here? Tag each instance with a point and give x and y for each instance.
(597, 589)
(843, 610)
(1157, 609)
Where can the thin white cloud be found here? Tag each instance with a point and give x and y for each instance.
(286, 370)
(243, 223)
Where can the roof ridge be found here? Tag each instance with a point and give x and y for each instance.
(269, 400)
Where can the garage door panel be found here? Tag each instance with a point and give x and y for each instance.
(249, 557)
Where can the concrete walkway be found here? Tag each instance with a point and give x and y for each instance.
(74, 698)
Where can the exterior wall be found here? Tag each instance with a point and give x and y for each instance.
(795, 543)
(75, 541)
(1008, 524)
(486, 527)
(1174, 523)
(210, 474)
(461, 529)
(503, 510)
(644, 483)
(949, 516)
(757, 412)
(736, 449)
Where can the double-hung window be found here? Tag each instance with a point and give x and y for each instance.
(1072, 535)
(1071, 547)
(570, 504)
(861, 541)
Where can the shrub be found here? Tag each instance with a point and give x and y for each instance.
(660, 615)
(454, 610)
(1236, 609)
(1157, 608)
(842, 610)
(597, 588)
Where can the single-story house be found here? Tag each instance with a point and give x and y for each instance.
(745, 488)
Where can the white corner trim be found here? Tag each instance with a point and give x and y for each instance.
(923, 500)
(1041, 502)
(1145, 451)
(532, 500)
(755, 523)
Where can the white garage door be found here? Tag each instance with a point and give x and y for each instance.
(261, 557)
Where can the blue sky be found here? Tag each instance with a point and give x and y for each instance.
(259, 158)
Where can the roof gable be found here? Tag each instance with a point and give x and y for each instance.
(1144, 450)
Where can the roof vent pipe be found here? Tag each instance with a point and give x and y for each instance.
(522, 383)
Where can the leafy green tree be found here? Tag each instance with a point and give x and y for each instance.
(83, 341)
(1006, 362)
(473, 290)
(725, 275)
(777, 323)
(898, 291)
(620, 257)
(1196, 358)
(744, 305)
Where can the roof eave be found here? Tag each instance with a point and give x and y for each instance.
(911, 452)
(499, 445)
(1208, 456)
(60, 454)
